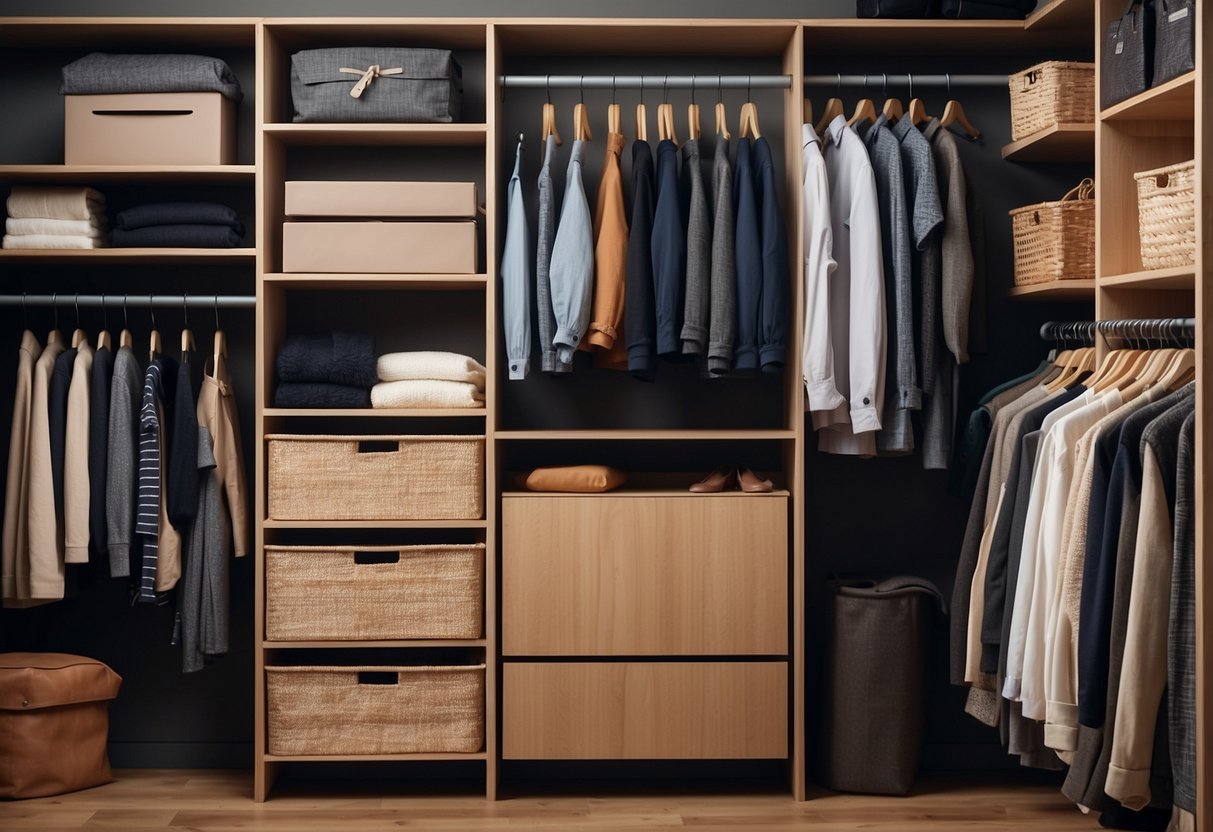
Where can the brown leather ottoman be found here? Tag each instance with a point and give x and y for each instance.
(54, 723)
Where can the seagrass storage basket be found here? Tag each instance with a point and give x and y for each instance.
(364, 593)
(375, 709)
(1051, 93)
(1056, 240)
(1166, 211)
(376, 477)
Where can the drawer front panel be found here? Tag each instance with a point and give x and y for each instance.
(644, 576)
(645, 710)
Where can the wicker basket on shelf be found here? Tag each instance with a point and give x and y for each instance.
(1166, 212)
(1052, 93)
(1056, 240)
(375, 709)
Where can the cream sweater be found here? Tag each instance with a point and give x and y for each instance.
(58, 203)
(440, 366)
(426, 393)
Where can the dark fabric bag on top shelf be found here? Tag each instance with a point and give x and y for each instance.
(376, 84)
(987, 9)
(1174, 39)
(897, 8)
(1128, 53)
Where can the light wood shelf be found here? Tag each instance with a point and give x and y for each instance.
(1174, 100)
(127, 173)
(371, 412)
(1076, 16)
(129, 255)
(1182, 278)
(844, 36)
(437, 282)
(650, 492)
(374, 524)
(361, 645)
(1056, 290)
(664, 434)
(420, 135)
(104, 32)
(374, 758)
(1060, 143)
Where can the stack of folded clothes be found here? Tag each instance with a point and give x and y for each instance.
(59, 217)
(101, 73)
(336, 370)
(428, 379)
(177, 225)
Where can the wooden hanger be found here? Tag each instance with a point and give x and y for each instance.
(79, 336)
(103, 337)
(642, 116)
(125, 339)
(807, 117)
(665, 118)
(549, 121)
(865, 110)
(749, 116)
(722, 120)
(1181, 370)
(614, 119)
(954, 113)
(693, 125)
(154, 344)
(53, 337)
(917, 112)
(832, 111)
(892, 108)
(1081, 361)
(220, 349)
(581, 123)
(187, 337)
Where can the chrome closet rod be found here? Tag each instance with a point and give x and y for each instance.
(902, 79)
(1165, 330)
(653, 83)
(119, 300)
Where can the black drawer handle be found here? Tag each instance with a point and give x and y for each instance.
(143, 112)
(378, 677)
(376, 557)
(373, 446)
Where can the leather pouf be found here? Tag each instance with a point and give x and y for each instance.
(54, 723)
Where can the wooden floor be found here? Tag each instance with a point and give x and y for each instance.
(219, 800)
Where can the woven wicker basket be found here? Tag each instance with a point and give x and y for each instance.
(375, 710)
(363, 593)
(1052, 93)
(1166, 210)
(376, 477)
(1056, 240)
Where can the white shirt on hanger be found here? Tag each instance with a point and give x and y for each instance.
(817, 351)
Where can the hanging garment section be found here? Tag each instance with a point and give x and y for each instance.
(891, 257)
(1073, 613)
(134, 467)
(697, 273)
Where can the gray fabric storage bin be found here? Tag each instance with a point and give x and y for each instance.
(428, 88)
(874, 688)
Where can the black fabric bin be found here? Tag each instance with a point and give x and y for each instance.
(875, 684)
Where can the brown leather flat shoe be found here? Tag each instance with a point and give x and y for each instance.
(751, 484)
(718, 480)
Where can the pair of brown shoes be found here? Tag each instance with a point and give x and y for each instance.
(724, 479)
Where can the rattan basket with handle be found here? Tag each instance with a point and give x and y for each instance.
(1166, 213)
(1051, 93)
(1056, 240)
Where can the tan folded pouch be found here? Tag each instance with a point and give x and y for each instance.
(581, 479)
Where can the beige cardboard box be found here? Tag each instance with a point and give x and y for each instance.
(379, 247)
(381, 199)
(171, 128)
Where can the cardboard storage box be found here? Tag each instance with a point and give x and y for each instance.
(379, 247)
(171, 128)
(381, 199)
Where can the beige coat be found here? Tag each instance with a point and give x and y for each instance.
(75, 455)
(45, 529)
(168, 539)
(16, 528)
(217, 413)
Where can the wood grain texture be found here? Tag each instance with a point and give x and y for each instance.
(644, 710)
(219, 801)
(599, 575)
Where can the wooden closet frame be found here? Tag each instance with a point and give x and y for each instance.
(1121, 291)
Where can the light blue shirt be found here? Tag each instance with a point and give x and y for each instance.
(572, 272)
(516, 279)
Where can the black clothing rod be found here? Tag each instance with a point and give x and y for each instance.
(901, 80)
(119, 300)
(653, 83)
(1172, 331)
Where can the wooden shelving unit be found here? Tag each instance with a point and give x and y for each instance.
(1076, 16)
(127, 173)
(627, 434)
(375, 758)
(1171, 101)
(374, 524)
(1060, 143)
(1181, 278)
(438, 135)
(359, 645)
(1056, 290)
(437, 282)
(372, 413)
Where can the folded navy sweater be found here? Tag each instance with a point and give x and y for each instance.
(178, 213)
(346, 358)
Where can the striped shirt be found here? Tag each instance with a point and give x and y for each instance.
(147, 515)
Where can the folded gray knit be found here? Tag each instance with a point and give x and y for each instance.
(101, 74)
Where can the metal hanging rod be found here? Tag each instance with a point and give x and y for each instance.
(905, 79)
(655, 83)
(137, 301)
(1163, 330)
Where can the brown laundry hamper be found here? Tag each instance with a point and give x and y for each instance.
(54, 723)
(876, 676)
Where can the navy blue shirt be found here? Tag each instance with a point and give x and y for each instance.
(640, 322)
(773, 320)
(669, 254)
(747, 247)
(61, 380)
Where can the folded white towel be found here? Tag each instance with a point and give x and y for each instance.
(39, 225)
(443, 366)
(60, 203)
(52, 241)
(426, 393)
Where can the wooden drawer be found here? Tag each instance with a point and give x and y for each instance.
(632, 575)
(645, 710)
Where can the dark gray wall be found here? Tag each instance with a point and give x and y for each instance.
(878, 517)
